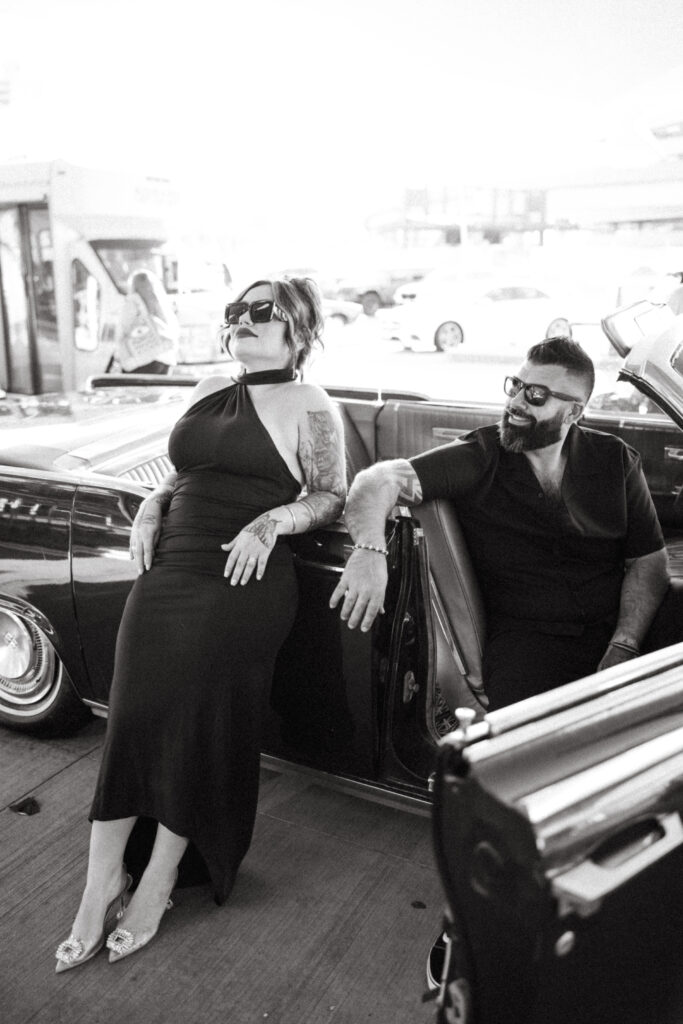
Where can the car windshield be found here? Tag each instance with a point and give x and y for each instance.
(123, 257)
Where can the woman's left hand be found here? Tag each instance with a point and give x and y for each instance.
(250, 550)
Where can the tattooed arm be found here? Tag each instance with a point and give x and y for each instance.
(320, 453)
(321, 456)
(373, 494)
(147, 524)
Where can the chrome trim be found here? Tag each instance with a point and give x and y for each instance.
(591, 782)
(374, 793)
(571, 694)
(442, 618)
(98, 709)
(568, 838)
(582, 889)
(640, 693)
(310, 564)
(75, 479)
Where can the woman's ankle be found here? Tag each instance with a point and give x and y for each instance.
(105, 882)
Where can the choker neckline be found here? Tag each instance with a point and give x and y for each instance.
(267, 376)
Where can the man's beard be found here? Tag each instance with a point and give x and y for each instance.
(514, 438)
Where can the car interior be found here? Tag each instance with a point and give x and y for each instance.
(402, 425)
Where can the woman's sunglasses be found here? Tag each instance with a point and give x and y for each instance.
(534, 394)
(260, 312)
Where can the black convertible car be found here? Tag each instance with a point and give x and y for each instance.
(555, 820)
(368, 709)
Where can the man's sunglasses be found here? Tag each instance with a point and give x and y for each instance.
(535, 394)
(260, 312)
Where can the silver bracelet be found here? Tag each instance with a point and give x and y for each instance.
(631, 648)
(291, 512)
(370, 547)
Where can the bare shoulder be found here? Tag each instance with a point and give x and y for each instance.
(312, 398)
(208, 386)
(316, 411)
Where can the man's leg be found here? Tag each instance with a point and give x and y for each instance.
(520, 663)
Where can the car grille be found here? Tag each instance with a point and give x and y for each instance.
(150, 472)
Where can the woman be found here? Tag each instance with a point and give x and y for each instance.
(150, 332)
(214, 599)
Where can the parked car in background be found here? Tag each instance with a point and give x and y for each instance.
(488, 314)
(341, 311)
(338, 311)
(374, 288)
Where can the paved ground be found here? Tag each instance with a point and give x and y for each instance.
(330, 920)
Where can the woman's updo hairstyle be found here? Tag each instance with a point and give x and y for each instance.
(299, 299)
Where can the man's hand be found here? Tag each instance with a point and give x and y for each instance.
(615, 656)
(361, 588)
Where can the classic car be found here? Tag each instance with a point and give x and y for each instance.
(365, 709)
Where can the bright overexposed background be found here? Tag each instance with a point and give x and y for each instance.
(286, 123)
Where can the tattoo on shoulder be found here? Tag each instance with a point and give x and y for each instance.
(264, 529)
(411, 491)
(321, 456)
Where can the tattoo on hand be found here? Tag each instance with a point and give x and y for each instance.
(264, 529)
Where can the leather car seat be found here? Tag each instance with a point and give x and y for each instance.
(357, 456)
(457, 609)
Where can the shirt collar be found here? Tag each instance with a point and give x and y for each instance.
(582, 460)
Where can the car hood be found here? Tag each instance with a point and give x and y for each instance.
(655, 367)
(74, 430)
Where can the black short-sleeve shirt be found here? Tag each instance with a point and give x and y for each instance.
(554, 562)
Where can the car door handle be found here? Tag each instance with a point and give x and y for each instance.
(674, 453)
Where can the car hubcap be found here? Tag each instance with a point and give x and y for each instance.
(449, 335)
(27, 661)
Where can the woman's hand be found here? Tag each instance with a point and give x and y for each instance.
(145, 533)
(250, 549)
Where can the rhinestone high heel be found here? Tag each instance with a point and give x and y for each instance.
(73, 952)
(122, 942)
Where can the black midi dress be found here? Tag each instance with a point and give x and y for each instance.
(195, 655)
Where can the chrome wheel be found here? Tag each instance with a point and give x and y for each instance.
(448, 335)
(370, 302)
(35, 692)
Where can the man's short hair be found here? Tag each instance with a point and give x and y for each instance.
(569, 355)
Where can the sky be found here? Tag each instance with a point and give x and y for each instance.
(295, 119)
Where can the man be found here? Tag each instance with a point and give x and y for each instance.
(559, 523)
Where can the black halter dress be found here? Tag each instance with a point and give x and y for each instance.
(195, 655)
